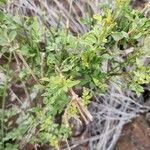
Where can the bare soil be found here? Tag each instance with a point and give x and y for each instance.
(135, 135)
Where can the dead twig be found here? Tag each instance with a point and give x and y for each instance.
(85, 114)
(27, 66)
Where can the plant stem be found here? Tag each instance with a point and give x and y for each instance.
(4, 100)
(3, 111)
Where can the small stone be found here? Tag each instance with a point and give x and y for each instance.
(77, 127)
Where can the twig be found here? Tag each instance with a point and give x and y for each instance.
(68, 147)
(4, 100)
(23, 83)
(13, 94)
(27, 66)
(28, 136)
(85, 114)
(83, 111)
(31, 131)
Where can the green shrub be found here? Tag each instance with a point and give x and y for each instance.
(59, 63)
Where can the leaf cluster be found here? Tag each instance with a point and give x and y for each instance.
(58, 61)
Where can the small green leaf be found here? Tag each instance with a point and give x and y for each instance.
(3, 1)
(69, 84)
(51, 59)
(137, 36)
(139, 62)
(3, 42)
(137, 88)
(117, 36)
(125, 34)
(97, 17)
(45, 79)
(12, 35)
